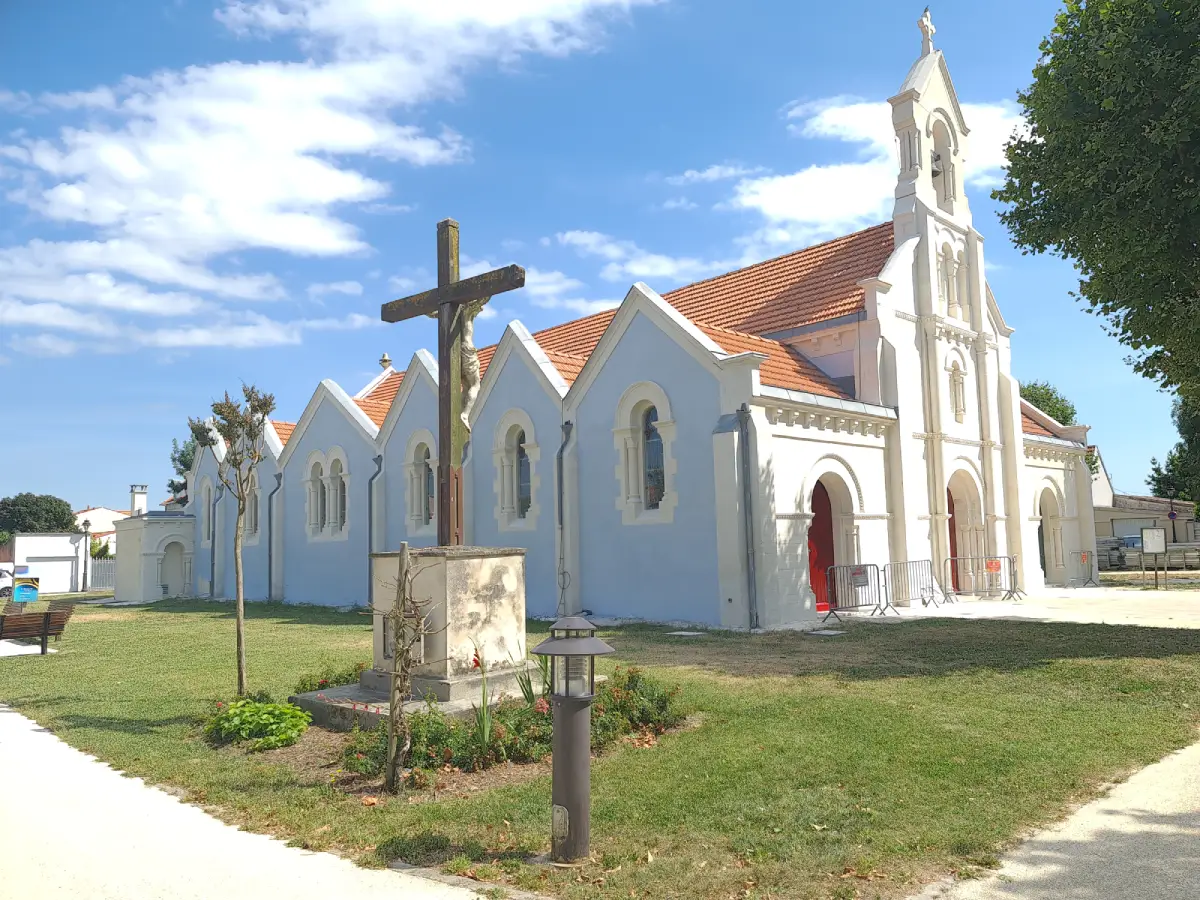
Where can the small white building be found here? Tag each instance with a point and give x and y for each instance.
(156, 557)
(56, 560)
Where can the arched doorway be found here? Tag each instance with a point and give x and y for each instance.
(829, 535)
(172, 569)
(964, 529)
(820, 545)
(1049, 536)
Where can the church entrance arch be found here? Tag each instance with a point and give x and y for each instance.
(964, 526)
(1049, 535)
(829, 535)
(172, 569)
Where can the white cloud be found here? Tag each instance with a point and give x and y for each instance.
(387, 208)
(554, 290)
(826, 200)
(55, 316)
(627, 261)
(402, 282)
(247, 332)
(171, 176)
(713, 173)
(45, 345)
(680, 203)
(352, 288)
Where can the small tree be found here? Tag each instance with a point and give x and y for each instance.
(1179, 474)
(406, 625)
(99, 549)
(33, 513)
(1107, 175)
(182, 457)
(241, 427)
(1049, 400)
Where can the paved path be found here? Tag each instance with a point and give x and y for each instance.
(82, 830)
(1111, 606)
(1140, 842)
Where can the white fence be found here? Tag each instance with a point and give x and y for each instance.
(102, 574)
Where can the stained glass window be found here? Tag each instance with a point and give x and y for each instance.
(524, 482)
(430, 489)
(654, 477)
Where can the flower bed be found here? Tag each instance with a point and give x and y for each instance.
(515, 731)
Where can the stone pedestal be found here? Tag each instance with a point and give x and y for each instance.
(474, 598)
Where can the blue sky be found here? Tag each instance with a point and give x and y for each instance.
(200, 193)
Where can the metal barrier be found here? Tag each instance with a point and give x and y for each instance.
(982, 576)
(913, 580)
(856, 587)
(1085, 565)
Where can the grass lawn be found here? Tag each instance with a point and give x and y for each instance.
(821, 767)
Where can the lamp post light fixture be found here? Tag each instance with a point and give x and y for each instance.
(572, 648)
(87, 549)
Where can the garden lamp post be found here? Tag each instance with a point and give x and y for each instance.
(572, 648)
(87, 549)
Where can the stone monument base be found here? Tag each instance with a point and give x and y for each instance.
(501, 683)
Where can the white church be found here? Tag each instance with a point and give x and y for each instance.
(706, 455)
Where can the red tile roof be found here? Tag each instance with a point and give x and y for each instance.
(783, 367)
(284, 430)
(800, 288)
(387, 389)
(376, 409)
(789, 291)
(1030, 425)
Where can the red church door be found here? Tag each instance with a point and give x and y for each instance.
(953, 539)
(820, 545)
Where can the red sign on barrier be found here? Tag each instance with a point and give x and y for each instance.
(858, 576)
(1083, 558)
(993, 566)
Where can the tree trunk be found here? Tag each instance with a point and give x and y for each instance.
(398, 737)
(239, 590)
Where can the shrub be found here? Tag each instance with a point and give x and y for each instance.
(330, 677)
(628, 702)
(262, 726)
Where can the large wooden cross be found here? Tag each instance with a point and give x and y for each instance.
(455, 303)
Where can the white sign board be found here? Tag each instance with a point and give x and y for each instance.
(1154, 540)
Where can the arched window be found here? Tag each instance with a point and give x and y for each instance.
(653, 472)
(945, 179)
(250, 521)
(523, 477)
(515, 453)
(429, 494)
(337, 495)
(206, 516)
(644, 437)
(317, 498)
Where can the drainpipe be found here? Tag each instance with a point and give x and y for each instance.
(564, 577)
(743, 418)
(371, 520)
(271, 536)
(212, 542)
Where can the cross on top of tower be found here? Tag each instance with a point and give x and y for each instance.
(925, 23)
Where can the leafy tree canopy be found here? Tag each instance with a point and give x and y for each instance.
(1179, 474)
(1049, 400)
(182, 457)
(33, 513)
(1108, 172)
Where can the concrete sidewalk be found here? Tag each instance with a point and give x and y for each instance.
(1140, 842)
(1108, 606)
(82, 830)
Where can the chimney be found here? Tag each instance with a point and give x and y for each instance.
(137, 499)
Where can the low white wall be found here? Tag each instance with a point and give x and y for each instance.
(56, 560)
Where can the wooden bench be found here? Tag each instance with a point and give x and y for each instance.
(43, 625)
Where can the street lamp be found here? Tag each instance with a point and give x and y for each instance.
(87, 550)
(572, 648)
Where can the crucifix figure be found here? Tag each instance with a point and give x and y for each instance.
(455, 304)
(925, 23)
